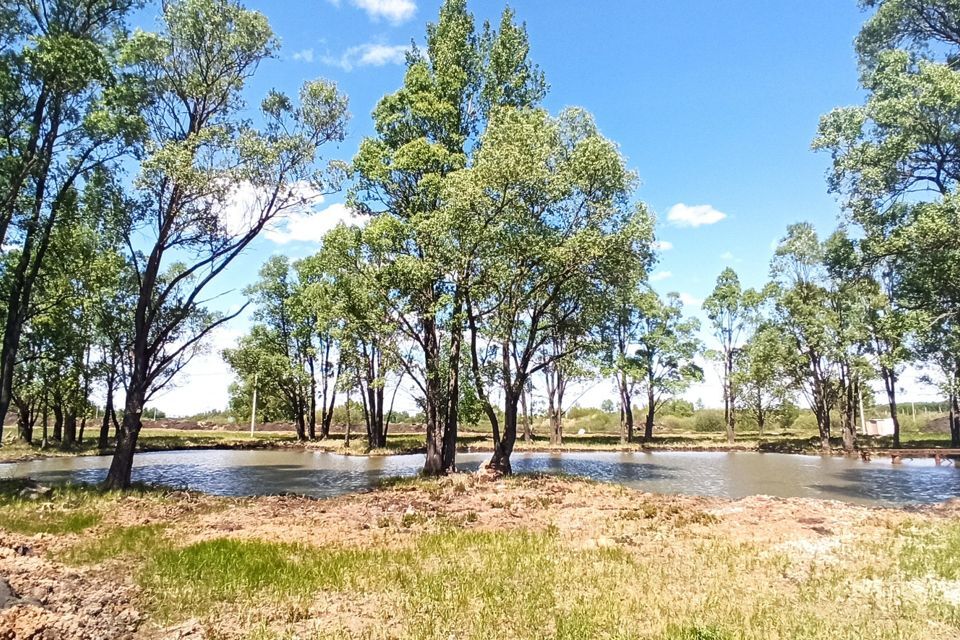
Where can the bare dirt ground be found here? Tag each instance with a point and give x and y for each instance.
(43, 598)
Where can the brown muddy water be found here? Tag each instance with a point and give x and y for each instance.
(721, 474)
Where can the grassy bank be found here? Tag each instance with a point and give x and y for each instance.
(526, 558)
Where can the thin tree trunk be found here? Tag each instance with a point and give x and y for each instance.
(104, 439)
(651, 414)
(527, 430)
(433, 464)
(312, 416)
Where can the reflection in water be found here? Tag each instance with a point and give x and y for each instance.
(732, 475)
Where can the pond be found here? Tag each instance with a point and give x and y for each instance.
(723, 474)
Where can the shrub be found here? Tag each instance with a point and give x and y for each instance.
(708, 420)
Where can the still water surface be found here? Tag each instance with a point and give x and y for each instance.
(730, 475)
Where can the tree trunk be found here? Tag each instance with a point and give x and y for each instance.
(69, 430)
(104, 440)
(651, 414)
(527, 431)
(312, 411)
(626, 409)
(24, 421)
(452, 396)
(728, 396)
(823, 424)
(954, 420)
(346, 435)
(300, 425)
(500, 461)
(433, 461)
(121, 469)
(57, 421)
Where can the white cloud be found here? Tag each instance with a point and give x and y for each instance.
(660, 276)
(681, 215)
(368, 55)
(395, 11)
(728, 256)
(306, 226)
(304, 55)
(690, 300)
(244, 205)
(662, 245)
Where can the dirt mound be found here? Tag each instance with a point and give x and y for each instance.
(41, 599)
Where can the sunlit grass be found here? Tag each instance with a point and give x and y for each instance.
(533, 585)
(137, 542)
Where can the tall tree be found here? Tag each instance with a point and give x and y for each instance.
(64, 112)
(667, 348)
(896, 162)
(759, 375)
(208, 182)
(546, 211)
(426, 131)
(728, 312)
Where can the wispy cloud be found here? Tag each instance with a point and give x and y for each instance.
(690, 300)
(682, 215)
(304, 55)
(728, 256)
(662, 245)
(305, 226)
(659, 276)
(368, 55)
(394, 11)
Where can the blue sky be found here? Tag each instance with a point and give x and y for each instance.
(713, 102)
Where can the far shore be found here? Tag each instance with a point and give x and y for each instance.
(165, 435)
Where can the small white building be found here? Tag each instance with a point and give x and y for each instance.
(879, 427)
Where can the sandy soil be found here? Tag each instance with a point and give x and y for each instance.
(47, 599)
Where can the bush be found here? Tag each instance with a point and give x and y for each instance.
(677, 407)
(806, 421)
(708, 421)
(673, 423)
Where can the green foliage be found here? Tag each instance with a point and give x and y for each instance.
(708, 421)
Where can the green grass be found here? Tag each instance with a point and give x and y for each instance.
(56, 522)
(138, 542)
(931, 551)
(532, 585)
(67, 509)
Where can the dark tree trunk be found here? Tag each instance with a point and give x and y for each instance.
(433, 464)
(118, 478)
(626, 409)
(69, 430)
(452, 396)
(57, 421)
(25, 420)
(104, 440)
(651, 414)
(500, 461)
(300, 425)
(954, 420)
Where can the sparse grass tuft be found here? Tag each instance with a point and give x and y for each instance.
(931, 551)
(138, 542)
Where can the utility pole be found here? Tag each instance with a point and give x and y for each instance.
(253, 414)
